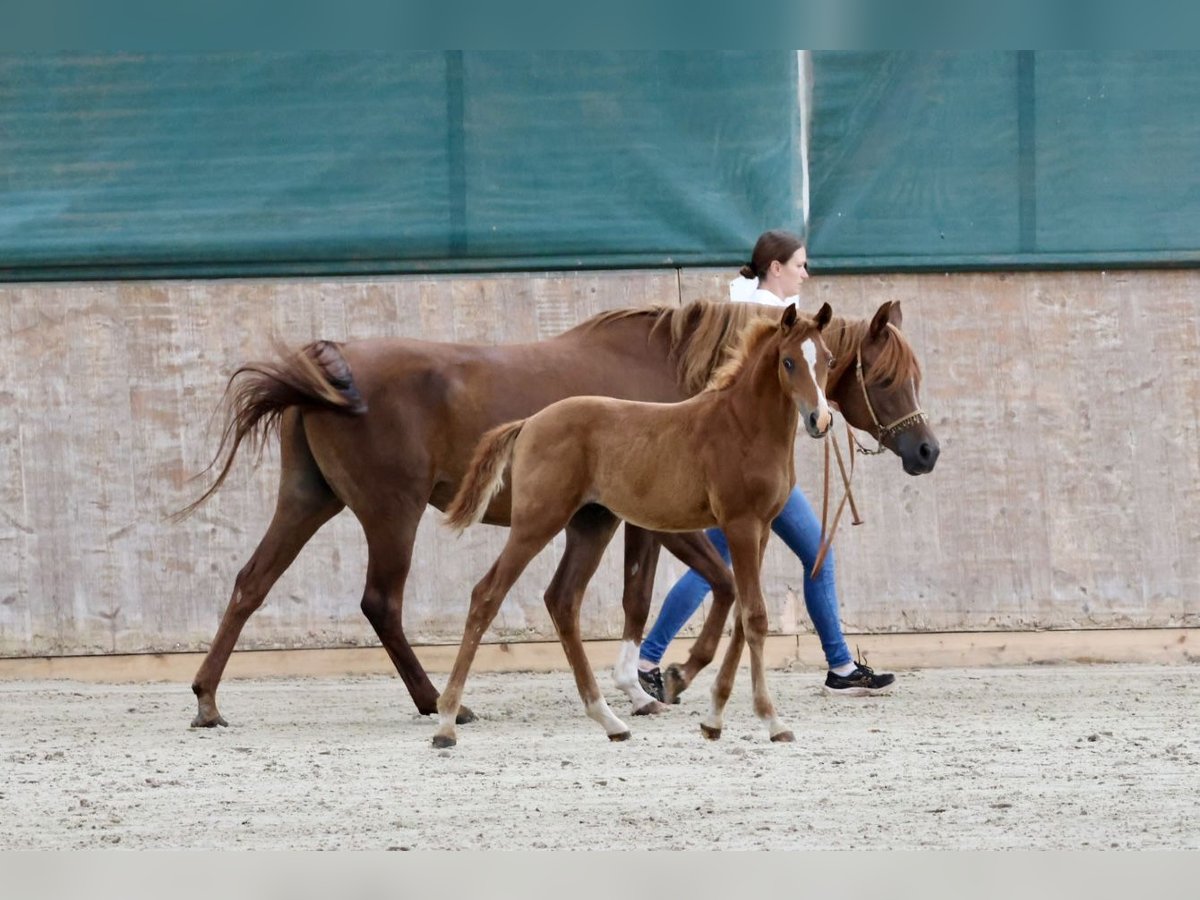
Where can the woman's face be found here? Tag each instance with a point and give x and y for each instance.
(792, 272)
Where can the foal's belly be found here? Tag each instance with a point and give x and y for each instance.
(659, 504)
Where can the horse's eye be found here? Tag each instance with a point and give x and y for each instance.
(787, 363)
(832, 363)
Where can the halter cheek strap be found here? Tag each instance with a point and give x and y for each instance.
(883, 432)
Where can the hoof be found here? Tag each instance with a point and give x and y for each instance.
(464, 716)
(652, 708)
(620, 736)
(442, 741)
(713, 734)
(674, 683)
(202, 721)
(784, 737)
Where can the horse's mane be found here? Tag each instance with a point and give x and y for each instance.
(896, 360)
(701, 334)
(753, 336)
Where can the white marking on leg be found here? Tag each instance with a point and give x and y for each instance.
(775, 725)
(446, 726)
(625, 675)
(600, 712)
(716, 713)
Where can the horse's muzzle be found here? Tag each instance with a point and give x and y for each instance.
(919, 457)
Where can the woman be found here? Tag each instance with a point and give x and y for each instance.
(780, 264)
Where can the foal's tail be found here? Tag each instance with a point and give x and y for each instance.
(315, 377)
(485, 477)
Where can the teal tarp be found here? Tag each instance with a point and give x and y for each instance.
(294, 162)
(997, 160)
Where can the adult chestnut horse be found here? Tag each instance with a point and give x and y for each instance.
(724, 457)
(386, 427)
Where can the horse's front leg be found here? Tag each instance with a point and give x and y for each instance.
(747, 540)
(641, 561)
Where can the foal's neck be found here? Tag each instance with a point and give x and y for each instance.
(758, 402)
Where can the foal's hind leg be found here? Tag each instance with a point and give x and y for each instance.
(696, 551)
(522, 546)
(588, 533)
(305, 503)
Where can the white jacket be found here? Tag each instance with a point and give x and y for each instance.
(746, 290)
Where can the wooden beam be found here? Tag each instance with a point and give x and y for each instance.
(885, 651)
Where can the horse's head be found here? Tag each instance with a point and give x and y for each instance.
(804, 362)
(879, 392)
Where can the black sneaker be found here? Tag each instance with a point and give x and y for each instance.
(652, 683)
(862, 682)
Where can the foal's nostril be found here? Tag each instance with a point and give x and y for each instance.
(812, 421)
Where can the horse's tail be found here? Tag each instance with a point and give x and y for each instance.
(315, 377)
(485, 476)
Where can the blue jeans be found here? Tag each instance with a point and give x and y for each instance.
(797, 524)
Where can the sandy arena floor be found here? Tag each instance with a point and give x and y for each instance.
(1042, 757)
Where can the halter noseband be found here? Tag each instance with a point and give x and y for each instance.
(882, 432)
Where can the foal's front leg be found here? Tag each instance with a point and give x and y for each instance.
(696, 551)
(641, 560)
(747, 541)
(711, 726)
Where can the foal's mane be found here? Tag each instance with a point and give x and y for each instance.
(753, 337)
(701, 334)
(896, 361)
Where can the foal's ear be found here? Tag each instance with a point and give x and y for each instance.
(887, 314)
(789, 317)
(824, 314)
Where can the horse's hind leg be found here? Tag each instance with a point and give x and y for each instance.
(390, 540)
(588, 533)
(641, 560)
(696, 551)
(305, 503)
(522, 546)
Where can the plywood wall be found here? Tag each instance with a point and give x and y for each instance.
(1067, 494)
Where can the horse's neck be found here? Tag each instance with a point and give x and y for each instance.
(631, 348)
(843, 337)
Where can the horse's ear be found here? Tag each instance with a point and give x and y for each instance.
(883, 316)
(824, 314)
(789, 317)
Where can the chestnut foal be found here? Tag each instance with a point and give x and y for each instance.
(724, 457)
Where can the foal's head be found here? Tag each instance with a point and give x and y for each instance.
(804, 363)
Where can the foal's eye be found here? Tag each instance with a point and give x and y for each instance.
(832, 364)
(788, 364)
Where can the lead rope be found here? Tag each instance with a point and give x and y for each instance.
(848, 496)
